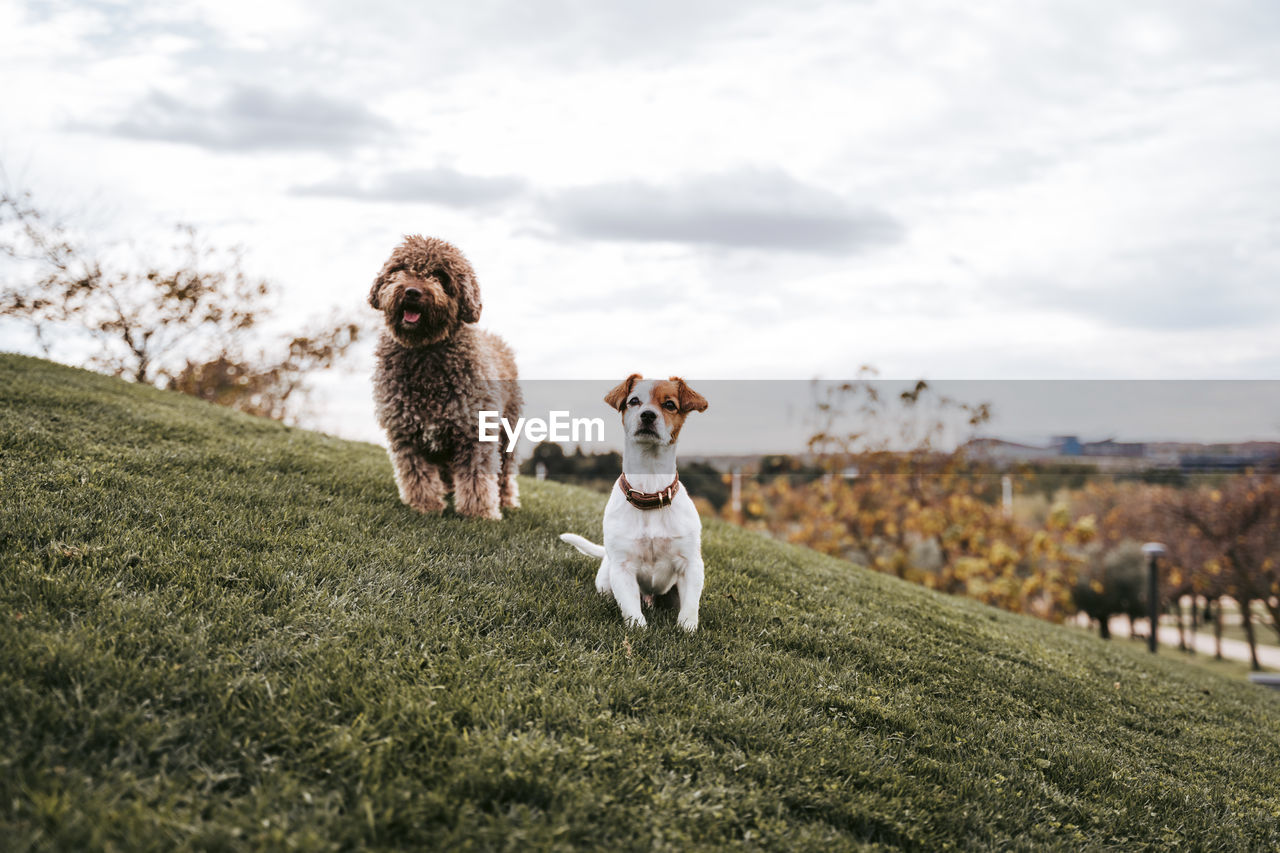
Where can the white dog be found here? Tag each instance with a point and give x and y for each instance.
(652, 532)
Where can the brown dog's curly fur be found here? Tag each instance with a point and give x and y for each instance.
(435, 372)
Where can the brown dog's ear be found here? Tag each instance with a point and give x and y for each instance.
(690, 400)
(390, 268)
(468, 298)
(617, 398)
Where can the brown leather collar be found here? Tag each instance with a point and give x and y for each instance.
(648, 500)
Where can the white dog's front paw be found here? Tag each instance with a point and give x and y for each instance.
(689, 623)
(636, 622)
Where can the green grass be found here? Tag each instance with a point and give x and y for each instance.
(217, 632)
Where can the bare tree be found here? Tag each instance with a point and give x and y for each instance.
(188, 324)
(263, 386)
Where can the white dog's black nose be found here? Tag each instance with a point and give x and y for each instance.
(648, 416)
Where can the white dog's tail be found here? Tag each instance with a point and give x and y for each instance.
(586, 546)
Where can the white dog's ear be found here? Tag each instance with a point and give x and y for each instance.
(690, 400)
(617, 398)
(469, 297)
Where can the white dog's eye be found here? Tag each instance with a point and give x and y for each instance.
(670, 405)
(634, 401)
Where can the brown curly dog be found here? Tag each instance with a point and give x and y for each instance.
(435, 373)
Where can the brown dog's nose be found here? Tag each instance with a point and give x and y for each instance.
(412, 293)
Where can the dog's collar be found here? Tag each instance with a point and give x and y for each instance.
(648, 500)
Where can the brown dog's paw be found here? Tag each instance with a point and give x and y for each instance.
(427, 507)
(482, 504)
(490, 513)
(424, 494)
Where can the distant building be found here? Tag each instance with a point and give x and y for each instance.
(1065, 445)
(1111, 448)
(1106, 456)
(1117, 456)
(997, 451)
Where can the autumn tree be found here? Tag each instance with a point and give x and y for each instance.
(188, 322)
(1113, 583)
(1238, 524)
(901, 496)
(1125, 514)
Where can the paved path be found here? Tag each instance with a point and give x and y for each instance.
(1268, 656)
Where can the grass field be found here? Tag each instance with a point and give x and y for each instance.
(217, 632)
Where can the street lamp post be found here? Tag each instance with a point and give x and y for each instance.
(1154, 551)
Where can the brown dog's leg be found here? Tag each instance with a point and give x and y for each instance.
(508, 491)
(475, 483)
(419, 481)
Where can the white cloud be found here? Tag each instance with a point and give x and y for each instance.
(441, 185)
(248, 118)
(760, 209)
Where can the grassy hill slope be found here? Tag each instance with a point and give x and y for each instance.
(216, 631)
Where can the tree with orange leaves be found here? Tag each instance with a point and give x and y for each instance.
(1238, 525)
(897, 498)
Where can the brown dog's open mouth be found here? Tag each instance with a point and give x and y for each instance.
(410, 316)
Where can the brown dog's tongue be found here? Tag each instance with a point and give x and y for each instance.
(411, 316)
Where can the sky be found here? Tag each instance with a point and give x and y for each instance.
(719, 190)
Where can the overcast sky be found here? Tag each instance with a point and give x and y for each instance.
(722, 190)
